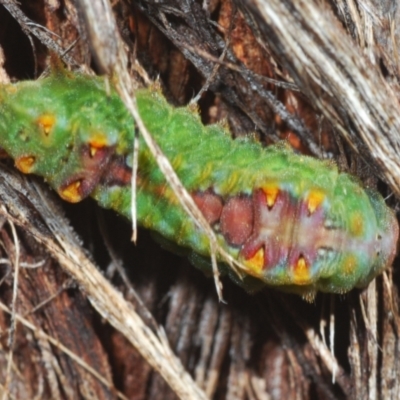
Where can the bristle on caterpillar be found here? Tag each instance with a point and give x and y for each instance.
(292, 221)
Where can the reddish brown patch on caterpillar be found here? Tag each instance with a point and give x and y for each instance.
(3, 154)
(287, 231)
(94, 165)
(118, 173)
(209, 204)
(91, 169)
(237, 219)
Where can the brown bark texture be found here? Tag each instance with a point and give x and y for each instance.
(86, 314)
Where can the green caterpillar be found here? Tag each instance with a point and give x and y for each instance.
(292, 221)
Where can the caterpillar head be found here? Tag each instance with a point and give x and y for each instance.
(386, 236)
(64, 129)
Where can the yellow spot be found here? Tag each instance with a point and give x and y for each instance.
(206, 172)
(25, 164)
(349, 265)
(356, 224)
(93, 151)
(301, 272)
(315, 199)
(97, 142)
(71, 192)
(177, 162)
(46, 122)
(271, 193)
(231, 182)
(255, 264)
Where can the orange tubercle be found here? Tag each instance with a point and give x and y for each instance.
(71, 192)
(315, 199)
(271, 193)
(97, 142)
(177, 162)
(25, 163)
(46, 122)
(301, 272)
(255, 264)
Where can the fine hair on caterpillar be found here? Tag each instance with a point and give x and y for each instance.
(289, 220)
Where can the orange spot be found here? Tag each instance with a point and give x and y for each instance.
(315, 199)
(177, 162)
(356, 224)
(25, 164)
(301, 272)
(46, 122)
(271, 193)
(256, 263)
(97, 142)
(206, 171)
(71, 192)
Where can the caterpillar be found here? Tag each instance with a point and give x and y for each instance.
(292, 221)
